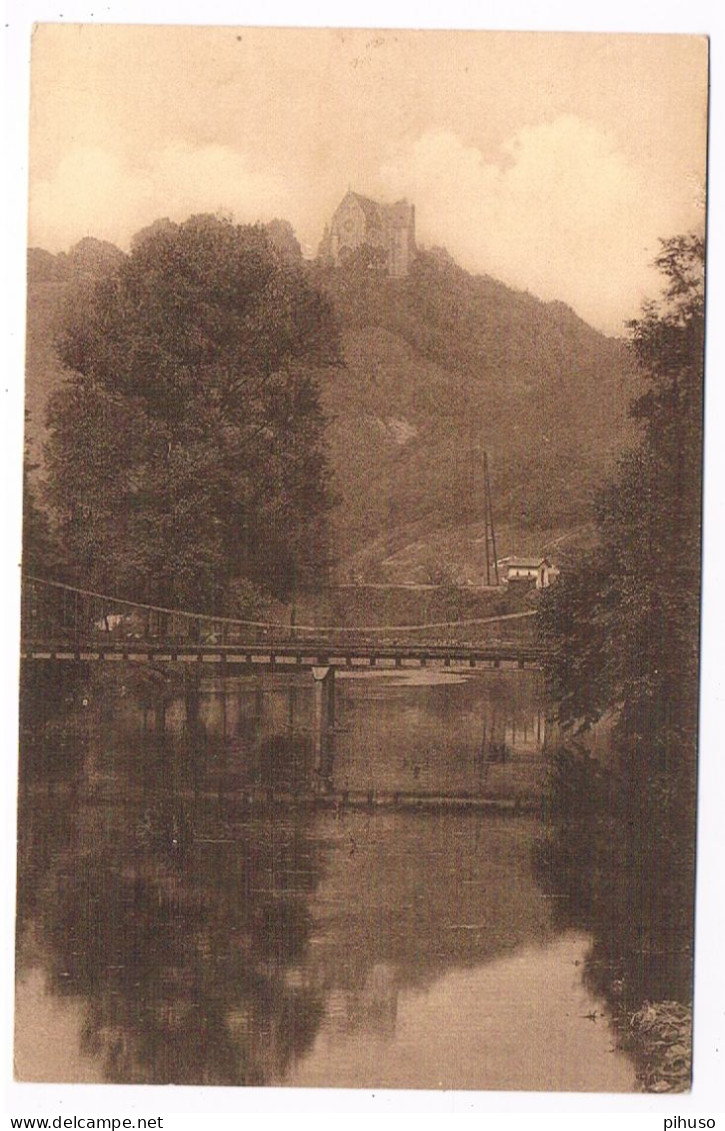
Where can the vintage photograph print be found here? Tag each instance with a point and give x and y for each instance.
(361, 558)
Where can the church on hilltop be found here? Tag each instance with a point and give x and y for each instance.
(386, 229)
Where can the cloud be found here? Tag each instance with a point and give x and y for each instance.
(562, 213)
(559, 210)
(93, 192)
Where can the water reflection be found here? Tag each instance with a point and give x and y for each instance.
(179, 925)
(423, 732)
(488, 1027)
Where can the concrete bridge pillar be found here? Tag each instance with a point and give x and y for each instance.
(324, 720)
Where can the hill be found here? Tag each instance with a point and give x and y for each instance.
(439, 366)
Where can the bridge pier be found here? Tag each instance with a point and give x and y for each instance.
(292, 708)
(324, 720)
(192, 695)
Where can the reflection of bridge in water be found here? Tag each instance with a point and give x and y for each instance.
(66, 623)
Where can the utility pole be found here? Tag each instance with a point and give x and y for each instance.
(489, 526)
(485, 517)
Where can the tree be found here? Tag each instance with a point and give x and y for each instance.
(39, 552)
(623, 626)
(624, 623)
(186, 448)
(282, 236)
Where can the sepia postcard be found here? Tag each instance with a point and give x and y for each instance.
(361, 550)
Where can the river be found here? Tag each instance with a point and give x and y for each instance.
(178, 922)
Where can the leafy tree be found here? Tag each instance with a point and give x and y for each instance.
(357, 264)
(624, 623)
(282, 235)
(186, 447)
(39, 552)
(623, 626)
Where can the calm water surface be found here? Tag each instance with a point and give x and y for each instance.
(175, 926)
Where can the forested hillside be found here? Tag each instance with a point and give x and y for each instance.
(438, 367)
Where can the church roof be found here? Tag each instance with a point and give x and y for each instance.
(376, 212)
(371, 208)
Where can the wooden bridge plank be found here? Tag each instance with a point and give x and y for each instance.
(291, 655)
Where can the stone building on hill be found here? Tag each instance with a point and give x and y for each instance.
(386, 229)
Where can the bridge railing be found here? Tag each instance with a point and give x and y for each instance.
(54, 611)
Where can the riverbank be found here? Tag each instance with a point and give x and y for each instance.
(659, 1038)
(622, 863)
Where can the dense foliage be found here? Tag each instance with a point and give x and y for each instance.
(623, 625)
(39, 552)
(439, 366)
(186, 447)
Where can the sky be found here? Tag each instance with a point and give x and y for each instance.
(553, 162)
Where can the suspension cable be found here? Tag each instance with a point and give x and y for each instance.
(277, 624)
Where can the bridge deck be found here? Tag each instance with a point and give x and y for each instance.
(289, 656)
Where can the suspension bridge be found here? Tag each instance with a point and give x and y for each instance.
(67, 623)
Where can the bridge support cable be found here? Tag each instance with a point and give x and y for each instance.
(114, 605)
(59, 617)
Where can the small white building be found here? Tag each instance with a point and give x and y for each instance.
(540, 571)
